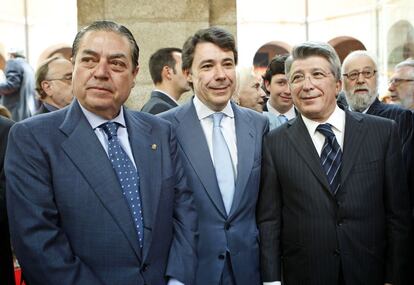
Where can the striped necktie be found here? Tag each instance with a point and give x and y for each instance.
(331, 157)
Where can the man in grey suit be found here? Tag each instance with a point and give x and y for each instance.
(95, 192)
(17, 93)
(169, 80)
(222, 160)
(333, 205)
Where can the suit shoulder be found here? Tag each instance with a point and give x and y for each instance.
(153, 120)
(254, 115)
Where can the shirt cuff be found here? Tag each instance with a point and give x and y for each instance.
(173, 281)
(272, 283)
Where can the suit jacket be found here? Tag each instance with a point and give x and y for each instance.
(405, 122)
(70, 223)
(18, 91)
(237, 232)
(158, 103)
(6, 260)
(311, 234)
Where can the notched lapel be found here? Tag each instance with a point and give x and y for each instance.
(354, 135)
(245, 134)
(302, 142)
(195, 147)
(84, 149)
(147, 154)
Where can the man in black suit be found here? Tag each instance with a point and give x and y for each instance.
(360, 78)
(6, 260)
(350, 228)
(54, 84)
(168, 78)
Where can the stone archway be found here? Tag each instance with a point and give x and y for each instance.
(400, 43)
(344, 45)
(266, 52)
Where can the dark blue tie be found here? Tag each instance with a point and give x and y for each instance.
(127, 175)
(331, 157)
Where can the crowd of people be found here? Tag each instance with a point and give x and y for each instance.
(299, 176)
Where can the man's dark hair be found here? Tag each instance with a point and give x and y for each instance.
(159, 59)
(214, 35)
(276, 66)
(108, 26)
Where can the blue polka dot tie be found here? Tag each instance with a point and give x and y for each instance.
(127, 175)
(331, 157)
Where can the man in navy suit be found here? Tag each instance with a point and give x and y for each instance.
(73, 218)
(360, 78)
(228, 248)
(169, 80)
(333, 205)
(6, 260)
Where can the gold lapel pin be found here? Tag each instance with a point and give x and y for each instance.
(154, 146)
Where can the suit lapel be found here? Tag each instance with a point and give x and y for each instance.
(147, 155)
(195, 147)
(164, 98)
(354, 135)
(84, 149)
(302, 142)
(245, 135)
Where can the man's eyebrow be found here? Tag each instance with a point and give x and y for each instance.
(117, 55)
(89, 52)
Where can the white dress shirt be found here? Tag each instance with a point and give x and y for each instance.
(95, 121)
(336, 120)
(227, 125)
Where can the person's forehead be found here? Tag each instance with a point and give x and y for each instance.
(405, 71)
(359, 61)
(205, 50)
(279, 76)
(108, 41)
(60, 66)
(310, 62)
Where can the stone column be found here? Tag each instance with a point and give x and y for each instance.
(157, 24)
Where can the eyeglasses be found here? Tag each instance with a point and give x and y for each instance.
(67, 77)
(353, 75)
(315, 76)
(398, 81)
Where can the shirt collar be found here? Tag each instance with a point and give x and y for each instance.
(166, 94)
(95, 121)
(203, 111)
(336, 120)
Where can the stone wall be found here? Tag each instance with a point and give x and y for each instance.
(156, 24)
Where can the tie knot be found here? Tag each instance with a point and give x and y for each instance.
(283, 118)
(326, 130)
(217, 117)
(110, 129)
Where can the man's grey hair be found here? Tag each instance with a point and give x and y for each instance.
(308, 49)
(406, 63)
(360, 53)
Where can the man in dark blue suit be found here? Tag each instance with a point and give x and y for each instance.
(169, 80)
(221, 145)
(360, 78)
(6, 260)
(96, 193)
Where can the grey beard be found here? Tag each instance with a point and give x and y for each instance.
(361, 102)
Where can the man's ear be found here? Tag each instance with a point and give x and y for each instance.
(135, 73)
(188, 75)
(267, 85)
(46, 87)
(166, 72)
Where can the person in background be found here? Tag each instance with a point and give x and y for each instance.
(54, 84)
(17, 93)
(168, 78)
